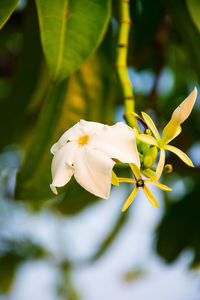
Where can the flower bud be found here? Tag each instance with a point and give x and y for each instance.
(148, 173)
(168, 168)
(144, 147)
(150, 156)
(147, 161)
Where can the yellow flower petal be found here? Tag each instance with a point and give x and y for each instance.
(180, 154)
(147, 139)
(124, 179)
(114, 179)
(170, 131)
(183, 111)
(151, 125)
(130, 199)
(150, 196)
(136, 171)
(160, 165)
(158, 184)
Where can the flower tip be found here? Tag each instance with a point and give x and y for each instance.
(53, 188)
(124, 208)
(195, 91)
(183, 111)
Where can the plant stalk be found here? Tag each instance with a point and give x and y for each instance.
(121, 62)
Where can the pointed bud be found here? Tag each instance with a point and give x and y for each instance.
(150, 156)
(183, 111)
(144, 147)
(149, 173)
(147, 161)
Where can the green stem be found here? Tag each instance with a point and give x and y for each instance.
(121, 62)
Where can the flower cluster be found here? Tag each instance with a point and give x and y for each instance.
(89, 151)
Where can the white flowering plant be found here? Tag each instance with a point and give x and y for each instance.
(89, 151)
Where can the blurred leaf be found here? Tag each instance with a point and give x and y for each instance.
(12, 254)
(12, 110)
(180, 228)
(74, 199)
(84, 95)
(6, 9)
(70, 32)
(185, 28)
(123, 217)
(194, 9)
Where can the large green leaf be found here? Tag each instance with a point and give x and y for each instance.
(70, 32)
(26, 77)
(88, 94)
(194, 9)
(185, 28)
(6, 9)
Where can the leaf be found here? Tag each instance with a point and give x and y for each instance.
(25, 80)
(6, 9)
(179, 230)
(71, 30)
(194, 10)
(106, 243)
(84, 95)
(73, 200)
(184, 27)
(13, 253)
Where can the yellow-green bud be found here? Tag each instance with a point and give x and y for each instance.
(153, 151)
(144, 147)
(168, 168)
(150, 156)
(147, 131)
(147, 161)
(148, 173)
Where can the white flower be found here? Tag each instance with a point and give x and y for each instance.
(87, 151)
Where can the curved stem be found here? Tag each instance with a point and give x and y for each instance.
(121, 62)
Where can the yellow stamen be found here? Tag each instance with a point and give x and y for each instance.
(83, 140)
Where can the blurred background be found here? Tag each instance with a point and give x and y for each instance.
(75, 246)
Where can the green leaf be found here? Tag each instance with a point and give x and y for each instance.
(71, 30)
(179, 230)
(87, 94)
(26, 77)
(14, 253)
(194, 10)
(107, 242)
(6, 9)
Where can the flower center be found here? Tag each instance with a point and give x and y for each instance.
(140, 183)
(83, 140)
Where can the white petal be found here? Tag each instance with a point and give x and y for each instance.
(117, 141)
(81, 128)
(70, 135)
(89, 127)
(183, 111)
(61, 168)
(93, 171)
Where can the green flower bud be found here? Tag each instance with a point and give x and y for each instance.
(147, 161)
(148, 173)
(153, 151)
(144, 147)
(150, 157)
